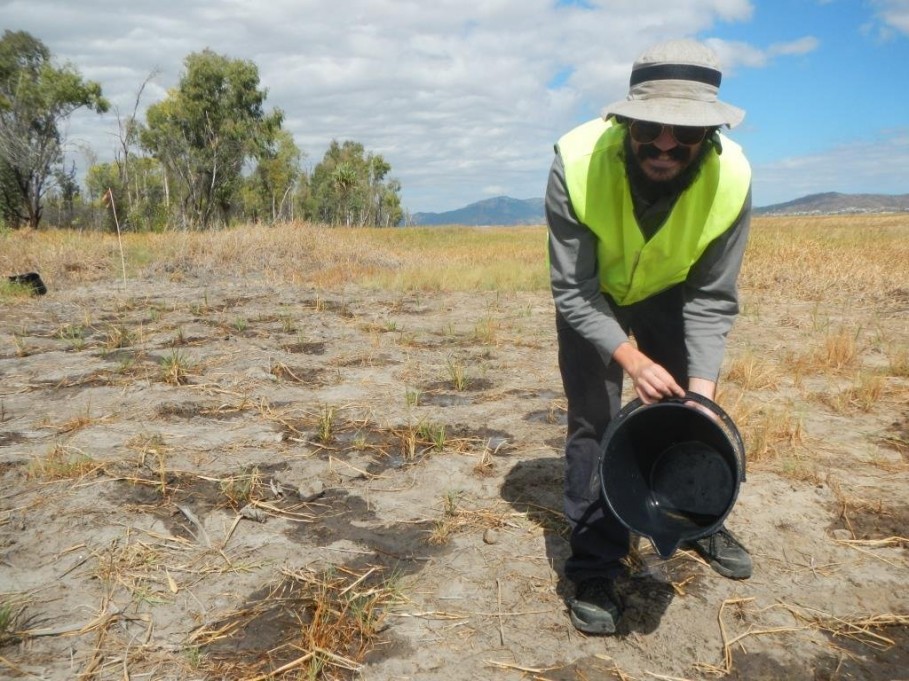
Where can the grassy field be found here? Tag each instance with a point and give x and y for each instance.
(846, 274)
(849, 257)
(173, 392)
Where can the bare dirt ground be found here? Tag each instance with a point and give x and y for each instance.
(196, 477)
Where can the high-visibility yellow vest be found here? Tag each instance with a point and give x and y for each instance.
(632, 268)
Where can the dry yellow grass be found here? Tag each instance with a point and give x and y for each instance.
(837, 257)
(430, 259)
(841, 265)
(815, 258)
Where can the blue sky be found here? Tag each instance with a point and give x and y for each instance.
(465, 100)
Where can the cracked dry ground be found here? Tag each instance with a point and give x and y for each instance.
(211, 480)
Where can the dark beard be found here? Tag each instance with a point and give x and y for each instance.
(651, 190)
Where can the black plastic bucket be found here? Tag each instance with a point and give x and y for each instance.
(671, 472)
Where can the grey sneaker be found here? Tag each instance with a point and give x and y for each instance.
(595, 606)
(724, 552)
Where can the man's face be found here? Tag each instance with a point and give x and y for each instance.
(664, 152)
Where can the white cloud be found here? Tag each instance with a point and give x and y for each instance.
(800, 46)
(875, 165)
(892, 16)
(734, 54)
(460, 98)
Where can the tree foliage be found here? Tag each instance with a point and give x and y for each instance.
(348, 187)
(270, 191)
(36, 96)
(208, 154)
(207, 130)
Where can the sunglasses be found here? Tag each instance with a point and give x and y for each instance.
(646, 132)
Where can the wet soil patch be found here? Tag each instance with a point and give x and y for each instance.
(145, 491)
(62, 387)
(11, 438)
(392, 448)
(445, 399)
(12, 466)
(556, 443)
(187, 341)
(123, 356)
(226, 304)
(855, 661)
(764, 667)
(278, 624)
(367, 360)
(553, 417)
(593, 667)
(499, 442)
(872, 521)
(861, 661)
(341, 309)
(189, 410)
(161, 498)
(340, 516)
(523, 394)
(897, 437)
(470, 385)
(312, 348)
(304, 375)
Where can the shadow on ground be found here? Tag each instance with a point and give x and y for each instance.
(534, 487)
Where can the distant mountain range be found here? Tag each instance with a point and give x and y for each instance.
(504, 210)
(501, 210)
(830, 203)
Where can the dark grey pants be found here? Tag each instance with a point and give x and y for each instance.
(594, 387)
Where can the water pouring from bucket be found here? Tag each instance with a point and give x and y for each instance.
(671, 472)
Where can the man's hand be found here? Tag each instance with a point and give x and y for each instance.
(707, 389)
(651, 381)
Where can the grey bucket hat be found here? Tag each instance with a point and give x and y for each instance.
(676, 83)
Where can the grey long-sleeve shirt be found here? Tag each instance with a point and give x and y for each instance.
(711, 298)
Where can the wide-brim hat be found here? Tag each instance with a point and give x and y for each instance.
(677, 83)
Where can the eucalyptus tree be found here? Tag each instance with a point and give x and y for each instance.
(36, 96)
(206, 131)
(349, 187)
(270, 189)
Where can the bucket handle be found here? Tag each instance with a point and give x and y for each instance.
(709, 404)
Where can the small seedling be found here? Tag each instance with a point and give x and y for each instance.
(409, 443)
(61, 463)
(11, 615)
(175, 368)
(194, 657)
(117, 337)
(458, 375)
(326, 424)
(22, 348)
(486, 331)
(74, 335)
(288, 325)
(412, 397)
(359, 442)
(180, 338)
(485, 466)
(842, 348)
(242, 489)
(433, 434)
